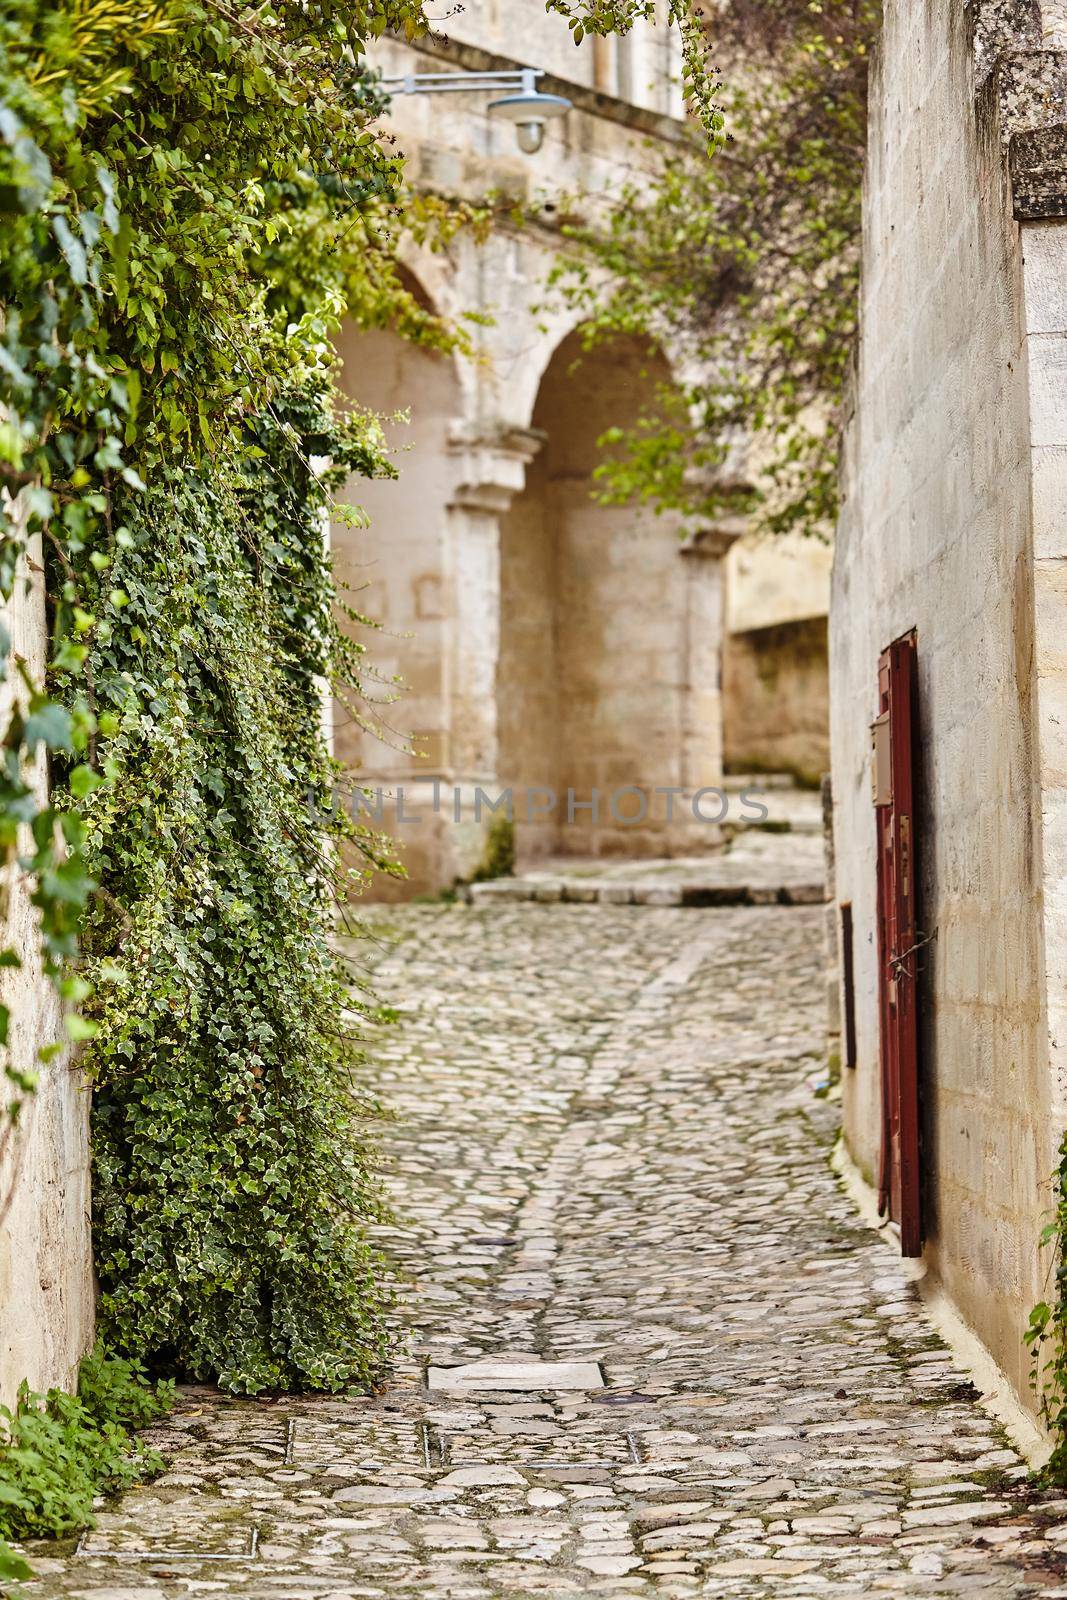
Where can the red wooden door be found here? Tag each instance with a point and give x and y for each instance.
(894, 798)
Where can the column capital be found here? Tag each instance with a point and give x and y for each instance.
(492, 461)
(714, 541)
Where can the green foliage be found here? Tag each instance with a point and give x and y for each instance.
(190, 197)
(58, 1451)
(13, 1569)
(1046, 1334)
(498, 857)
(746, 268)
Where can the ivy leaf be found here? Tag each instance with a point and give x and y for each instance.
(109, 210)
(83, 781)
(13, 1568)
(49, 724)
(79, 1028)
(73, 250)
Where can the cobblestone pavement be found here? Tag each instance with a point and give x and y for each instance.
(607, 1156)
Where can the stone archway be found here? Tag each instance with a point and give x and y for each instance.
(544, 642)
(608, 676)
(397, 572)
(395, 568)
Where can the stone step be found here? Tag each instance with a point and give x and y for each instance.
(789, 809)
(735, 782)
(576, 891)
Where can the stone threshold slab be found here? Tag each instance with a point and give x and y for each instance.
(517, 1376)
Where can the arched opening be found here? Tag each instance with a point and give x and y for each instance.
(395, 570)
(397, 573)
(595, 686)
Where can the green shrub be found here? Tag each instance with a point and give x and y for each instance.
(58, 1451)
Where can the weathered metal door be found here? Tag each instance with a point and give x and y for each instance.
(894, 735)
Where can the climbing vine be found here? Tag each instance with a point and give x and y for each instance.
(231, 1185)
(746, 268)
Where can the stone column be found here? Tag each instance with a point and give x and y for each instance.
(444, 576)
(444, 838)
(491, 470)
(604, 64)
(701, 709)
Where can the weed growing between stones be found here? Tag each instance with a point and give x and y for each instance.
(1046, 1334)
(498, 856)
(59, 1451)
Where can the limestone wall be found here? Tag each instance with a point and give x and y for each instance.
(776, 578)
(776, 697)
(641, 68)
(46, 1287)
(1045, 287)
(776, 693)
(936, 533)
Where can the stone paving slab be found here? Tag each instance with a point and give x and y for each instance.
(517, 1375)
(606, 1153)
(786, 805)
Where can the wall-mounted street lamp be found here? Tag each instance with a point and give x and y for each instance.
(523, 103)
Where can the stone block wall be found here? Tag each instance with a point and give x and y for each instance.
(776, 695)
(1044, 240)
(937, 533)
(641, 68)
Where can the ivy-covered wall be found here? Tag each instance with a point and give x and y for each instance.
(230, 1186)
(189, 199)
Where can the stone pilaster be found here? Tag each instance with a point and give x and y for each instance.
(702, 741)
(491, 471)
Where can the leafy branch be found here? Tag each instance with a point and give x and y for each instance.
(746, 269)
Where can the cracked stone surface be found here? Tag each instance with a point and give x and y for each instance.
(607, 1153)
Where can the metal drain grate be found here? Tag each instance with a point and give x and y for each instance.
(359, 1444)
(87, 1547)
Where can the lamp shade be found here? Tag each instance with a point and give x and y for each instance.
(529, 111)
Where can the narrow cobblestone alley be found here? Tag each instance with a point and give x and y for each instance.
(652, 1349)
